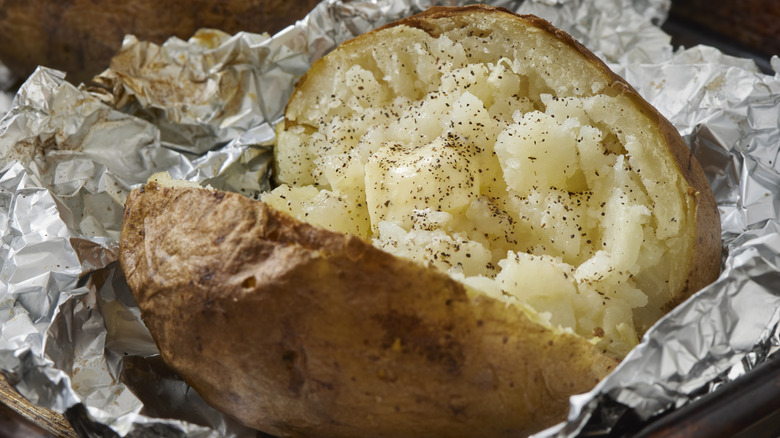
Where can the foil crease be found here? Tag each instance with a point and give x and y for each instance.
(205, 110)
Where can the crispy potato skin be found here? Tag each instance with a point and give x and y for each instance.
(299, 331)
(704, 258)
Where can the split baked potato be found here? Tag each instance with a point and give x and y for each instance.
(474, 219)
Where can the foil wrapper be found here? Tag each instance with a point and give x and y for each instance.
(205, 109)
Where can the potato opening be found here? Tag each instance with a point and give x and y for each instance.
(512, 164)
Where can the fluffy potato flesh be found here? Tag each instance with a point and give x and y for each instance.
(504, 154)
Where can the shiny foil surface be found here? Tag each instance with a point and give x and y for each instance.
(205, 110)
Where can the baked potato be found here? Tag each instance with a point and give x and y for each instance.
(474, 219)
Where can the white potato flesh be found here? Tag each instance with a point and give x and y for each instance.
(516, 178)
(401, 180)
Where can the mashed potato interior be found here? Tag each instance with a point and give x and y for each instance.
(494, 169)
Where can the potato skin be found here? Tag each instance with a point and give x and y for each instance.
(80, 36)
(299, 331)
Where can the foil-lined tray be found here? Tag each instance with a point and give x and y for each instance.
(205, 109)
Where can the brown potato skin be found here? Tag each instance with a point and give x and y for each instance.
(80, 36)
(299, 331)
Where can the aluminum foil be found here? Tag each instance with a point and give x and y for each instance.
(205, 109)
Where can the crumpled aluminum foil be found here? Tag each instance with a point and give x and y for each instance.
(70, 334)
